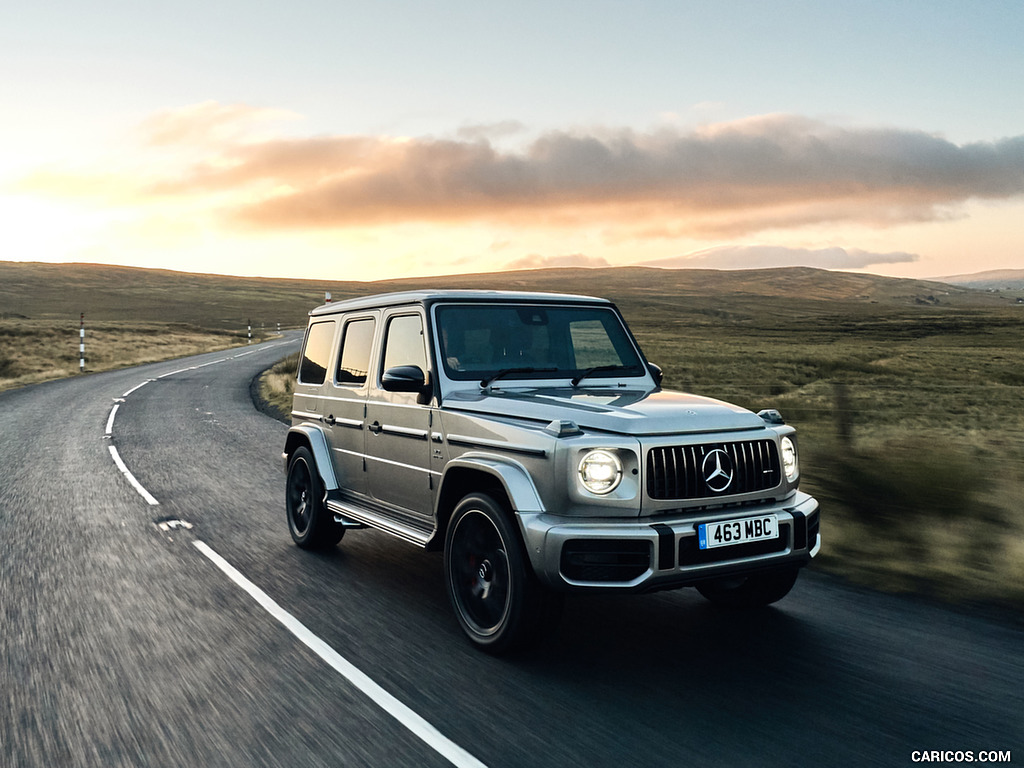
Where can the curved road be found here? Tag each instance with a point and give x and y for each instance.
(126, 644)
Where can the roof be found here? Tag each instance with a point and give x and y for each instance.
(427, 297)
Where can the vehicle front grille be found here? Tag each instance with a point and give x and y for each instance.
(687, 471)
(607, 560)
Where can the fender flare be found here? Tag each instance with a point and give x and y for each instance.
(315, 438)
(519, 487)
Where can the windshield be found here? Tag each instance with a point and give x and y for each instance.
(483, 341)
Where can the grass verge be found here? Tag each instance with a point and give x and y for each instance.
(32, 351)
(275, 387)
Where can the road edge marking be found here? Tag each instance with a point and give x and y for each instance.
(392, 706)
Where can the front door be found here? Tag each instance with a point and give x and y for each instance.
(398, 426)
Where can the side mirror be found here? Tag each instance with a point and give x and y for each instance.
(404, 378)
(656, 372)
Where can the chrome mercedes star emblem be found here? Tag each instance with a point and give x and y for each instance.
(717, 470)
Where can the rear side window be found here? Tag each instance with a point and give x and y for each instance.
(317, 353)
(356, 346)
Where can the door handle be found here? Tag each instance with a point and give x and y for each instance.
(375, 427)
(331, 420)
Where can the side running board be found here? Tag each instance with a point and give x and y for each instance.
(351, 516)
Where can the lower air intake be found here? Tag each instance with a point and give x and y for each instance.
(605, 560)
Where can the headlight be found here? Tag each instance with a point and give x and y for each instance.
(789, 463)
(600, 471)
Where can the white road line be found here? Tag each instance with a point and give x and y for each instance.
(403, 714)
(136, 387)
(131, 478)
(213, 362)
(173, 373)
(110, 421)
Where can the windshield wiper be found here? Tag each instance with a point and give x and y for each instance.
(486, 381)
(596, 369)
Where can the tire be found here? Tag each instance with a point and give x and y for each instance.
(498, 601)
(754, 591)
(309, 522)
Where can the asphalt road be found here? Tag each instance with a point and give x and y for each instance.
(125, 645)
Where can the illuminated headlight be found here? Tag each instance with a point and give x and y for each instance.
(789, 463)
(600, 471)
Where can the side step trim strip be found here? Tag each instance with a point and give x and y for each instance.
(349, 514)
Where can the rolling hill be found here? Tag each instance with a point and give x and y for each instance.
(992, 280)
(51, 291)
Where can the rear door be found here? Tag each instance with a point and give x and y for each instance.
(344, 411)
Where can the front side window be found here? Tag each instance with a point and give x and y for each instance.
(478, 341)
(356, 347)
(316, 354)
(403, 344)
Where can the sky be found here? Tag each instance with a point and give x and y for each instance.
(326, 139)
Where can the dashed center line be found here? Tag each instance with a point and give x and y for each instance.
(110, 421)
(136, 388)
(131, 478)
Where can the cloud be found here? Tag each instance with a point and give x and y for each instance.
(206, 122)
(766, 256)
(723, 180)
(536, 261)
(738, 177)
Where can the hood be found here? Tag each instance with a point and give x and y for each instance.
(628, 412)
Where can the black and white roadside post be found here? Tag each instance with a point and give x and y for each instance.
(250, 332)
(81, 344)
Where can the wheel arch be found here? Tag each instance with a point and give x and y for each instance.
(508, 482)
(315, 440)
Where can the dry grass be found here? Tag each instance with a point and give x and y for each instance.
(921, 515)
(277, 384)
(32, 351)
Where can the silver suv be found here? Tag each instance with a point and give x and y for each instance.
(526, 436)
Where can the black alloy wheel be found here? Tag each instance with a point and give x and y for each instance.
(311, 525)
(498, 601)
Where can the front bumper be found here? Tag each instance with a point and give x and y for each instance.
(639, 555)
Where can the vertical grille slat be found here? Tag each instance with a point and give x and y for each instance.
(677, 472)
(689, 486)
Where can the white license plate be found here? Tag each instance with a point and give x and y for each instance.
(731, 532)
